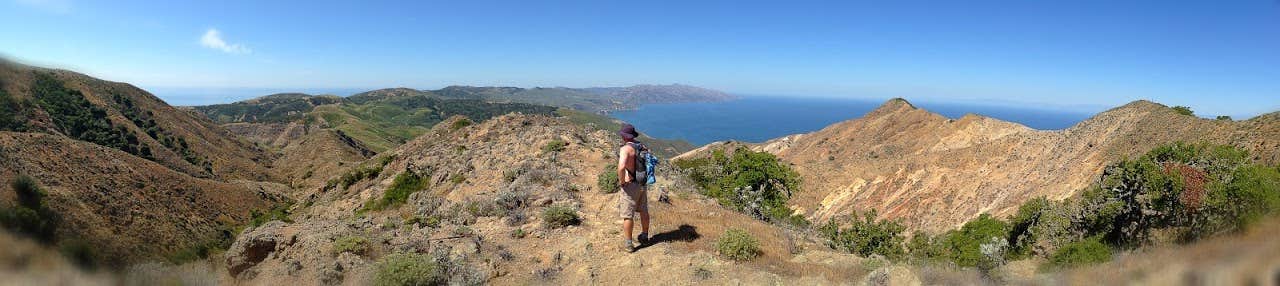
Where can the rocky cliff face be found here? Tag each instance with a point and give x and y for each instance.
(936, 173)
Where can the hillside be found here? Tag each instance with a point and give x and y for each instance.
(385, 118)
(484, 182)
(379, 119)
(594, 100)
(125, 177)
(936, 173)
(123, 117)
(127, 207)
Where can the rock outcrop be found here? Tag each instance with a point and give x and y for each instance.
(253, 246)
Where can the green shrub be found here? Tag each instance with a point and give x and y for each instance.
(457, 178)
(199, 250)
(353, 176)
(12, 113)
(926, 248)
(1021, 236)
(964, 245)
(409, 269)
(1089, 251)
(432, 221)
(459, 124)
(755, 183)
(483, 208)
(76, 117)
(518, 233)
(79, 252)
(360, 173)
(278, 212)
(867, 236)
(737, 244)
(1183, 192)
(31, 216)
(607, 181)
(510, 175)
(1183, 110)
(1223, 118)
(1252, 193)
(353, 244)
(401, 187)
(559, 216)
(555, 145)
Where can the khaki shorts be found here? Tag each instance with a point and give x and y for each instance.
(633, 198)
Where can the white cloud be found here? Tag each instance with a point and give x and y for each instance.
(213, 39)
(55, 6)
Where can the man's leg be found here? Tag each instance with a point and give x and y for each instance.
(626, 228)
(644, 222)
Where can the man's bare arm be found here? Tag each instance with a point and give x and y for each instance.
(623, 176)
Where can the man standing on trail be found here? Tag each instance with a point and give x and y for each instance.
(633, 198)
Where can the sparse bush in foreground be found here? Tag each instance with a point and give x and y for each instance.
(559, 216)
(79, 252)
(31, 216)
(353, 244)
(867, 236)
(737, 244)
(1089, 251)
(409, 269)
(607, 181)
(556, 145)
(964, 246)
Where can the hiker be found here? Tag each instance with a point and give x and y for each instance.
(633, 198)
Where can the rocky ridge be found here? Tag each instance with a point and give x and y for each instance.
(935, 173)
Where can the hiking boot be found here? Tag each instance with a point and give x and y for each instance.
(629, 247)
(643, 238)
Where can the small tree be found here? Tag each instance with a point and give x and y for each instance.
(31, 216)
(1183, 110)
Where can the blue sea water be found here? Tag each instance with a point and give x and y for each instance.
(760, 118)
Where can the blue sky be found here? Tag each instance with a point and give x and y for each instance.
(1220, 57)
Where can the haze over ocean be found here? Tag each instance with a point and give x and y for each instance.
(760, 118)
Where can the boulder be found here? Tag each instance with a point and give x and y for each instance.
(253, 246)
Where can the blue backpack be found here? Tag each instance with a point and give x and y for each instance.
(646, 164)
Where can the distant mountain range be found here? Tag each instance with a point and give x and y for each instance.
(598, 99)
(382, 119)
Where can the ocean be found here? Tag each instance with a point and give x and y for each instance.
(760, 118)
